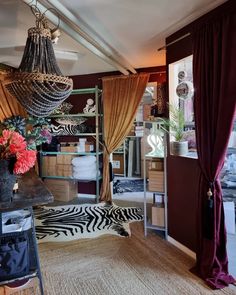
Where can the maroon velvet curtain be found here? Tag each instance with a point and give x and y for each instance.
(214, 76)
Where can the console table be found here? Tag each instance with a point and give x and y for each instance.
(31, 192)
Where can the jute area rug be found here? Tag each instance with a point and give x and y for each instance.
(73, 222)
(109, 265)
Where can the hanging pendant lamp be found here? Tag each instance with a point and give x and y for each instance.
(38, 84)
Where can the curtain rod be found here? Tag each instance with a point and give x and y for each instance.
(160, 72)
(173, 42)
(151, 73)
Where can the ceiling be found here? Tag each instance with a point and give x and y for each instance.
(132, 30)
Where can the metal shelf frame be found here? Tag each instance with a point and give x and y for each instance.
(98, 135)
(147, 224)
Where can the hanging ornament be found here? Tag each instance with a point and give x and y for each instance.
(184, 90)
(38, 84)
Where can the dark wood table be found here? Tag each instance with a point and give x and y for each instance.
(32, 192)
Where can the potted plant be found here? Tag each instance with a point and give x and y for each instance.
(175, 127)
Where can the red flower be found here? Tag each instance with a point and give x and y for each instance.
(12, 144)
(17, 143)
(24, 161)
(6, 134)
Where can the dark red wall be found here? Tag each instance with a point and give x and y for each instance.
(183, 173)
(90, 80)
(183, 176)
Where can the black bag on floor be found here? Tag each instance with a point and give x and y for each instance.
(14, 256)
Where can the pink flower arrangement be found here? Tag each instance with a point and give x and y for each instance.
(13, 145)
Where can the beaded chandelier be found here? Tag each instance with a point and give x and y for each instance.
(38, 83)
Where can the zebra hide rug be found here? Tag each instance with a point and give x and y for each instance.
(72, 222)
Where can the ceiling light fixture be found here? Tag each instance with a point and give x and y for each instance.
(38, 84)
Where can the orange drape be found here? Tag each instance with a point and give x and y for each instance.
(9, 106)
(121, 98)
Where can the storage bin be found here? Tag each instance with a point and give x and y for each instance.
(14, 256)
(62, 190)
(16, 221)
(28, 287)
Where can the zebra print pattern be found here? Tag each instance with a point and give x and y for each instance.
(64, 130)
(72, 222)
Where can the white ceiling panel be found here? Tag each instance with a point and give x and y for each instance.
(134, 29)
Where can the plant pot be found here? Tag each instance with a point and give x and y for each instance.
(179, 148)
(7, 180)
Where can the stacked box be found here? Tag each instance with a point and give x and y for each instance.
(49, 165)
(59, 165)
(64, 159)
(156, 181)
(69, 148)
(156, 164)
(64, 170)
(62, 190)
(158, 215)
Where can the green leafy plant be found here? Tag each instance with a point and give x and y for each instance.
(175, 124)
(35, 130)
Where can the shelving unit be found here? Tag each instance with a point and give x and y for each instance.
(148, 217)
(97, 135)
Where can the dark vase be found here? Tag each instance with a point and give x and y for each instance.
(7, 180)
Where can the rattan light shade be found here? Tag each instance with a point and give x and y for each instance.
(38, 83)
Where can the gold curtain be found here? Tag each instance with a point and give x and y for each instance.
(9, 106)
(121, 98)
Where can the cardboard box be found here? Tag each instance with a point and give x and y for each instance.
(118, 164)
(89, 147)
(62, 190)
(156, 181)
(158, 216)
(156, 164)
(69, 148)
(28, 288)
(49, 165)
(64, 170)
(64, 159)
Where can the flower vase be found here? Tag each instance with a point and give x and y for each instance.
(7, 180)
